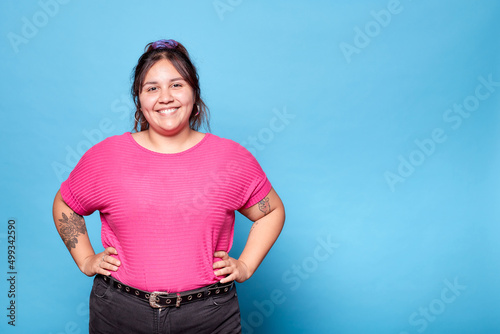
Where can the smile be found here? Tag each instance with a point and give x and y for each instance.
(167, 111)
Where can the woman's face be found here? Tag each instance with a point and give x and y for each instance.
(166, 99)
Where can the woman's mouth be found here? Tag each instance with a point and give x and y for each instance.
(167, 111)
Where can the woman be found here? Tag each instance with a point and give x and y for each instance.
(166, 196)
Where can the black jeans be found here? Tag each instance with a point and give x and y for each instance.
(113, 311)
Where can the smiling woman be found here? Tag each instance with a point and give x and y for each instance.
(166, 101)
(166, 196)
(181, 68)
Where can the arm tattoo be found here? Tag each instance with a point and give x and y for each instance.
(265, 206)
(70, 229)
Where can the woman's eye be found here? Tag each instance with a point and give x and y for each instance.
(151, 89)
(177, 85)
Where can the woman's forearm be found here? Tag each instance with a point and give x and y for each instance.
(73, 231)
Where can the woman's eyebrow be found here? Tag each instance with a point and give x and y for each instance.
(156, 82)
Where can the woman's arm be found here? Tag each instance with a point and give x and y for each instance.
(73, 232)
(269, 217)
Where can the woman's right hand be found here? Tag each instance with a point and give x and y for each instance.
(101, 263)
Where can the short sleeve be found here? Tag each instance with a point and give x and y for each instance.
(79, 190)
(260, 191)
(258, 183)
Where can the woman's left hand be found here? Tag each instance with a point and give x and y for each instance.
(234, 270)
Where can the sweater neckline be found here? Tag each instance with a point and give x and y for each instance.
(129, 135)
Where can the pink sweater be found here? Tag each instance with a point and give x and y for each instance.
(166, 214)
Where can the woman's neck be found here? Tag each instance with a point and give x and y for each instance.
(169, 144)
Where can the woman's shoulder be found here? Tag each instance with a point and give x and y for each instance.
(224, 143)
(228, 146)
(110, 143)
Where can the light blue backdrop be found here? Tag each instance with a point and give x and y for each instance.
(376, 121)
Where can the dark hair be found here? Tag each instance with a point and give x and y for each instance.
(179, 57)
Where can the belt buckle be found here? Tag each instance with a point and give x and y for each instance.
(153, 299)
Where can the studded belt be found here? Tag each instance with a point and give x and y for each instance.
(158, 299)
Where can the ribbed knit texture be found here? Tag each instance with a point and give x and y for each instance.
(166, 214)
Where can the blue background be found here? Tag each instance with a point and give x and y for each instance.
(390, 228)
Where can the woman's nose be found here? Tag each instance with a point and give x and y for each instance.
(165, 96)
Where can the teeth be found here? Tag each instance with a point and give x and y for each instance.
(167, 111)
